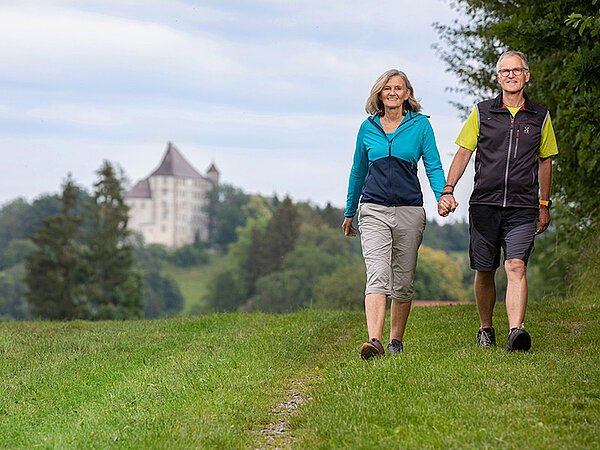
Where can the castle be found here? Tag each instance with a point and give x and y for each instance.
(168, 206)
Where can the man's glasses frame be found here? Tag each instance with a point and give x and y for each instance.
(517, 71)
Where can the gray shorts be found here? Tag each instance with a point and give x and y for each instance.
(390, 238)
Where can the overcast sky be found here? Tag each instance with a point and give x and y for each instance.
(271, 91)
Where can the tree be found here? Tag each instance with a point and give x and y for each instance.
(116, 288)
(344, 288)
(565, 77)
(448, 272)
(281, 235)
(56, 272)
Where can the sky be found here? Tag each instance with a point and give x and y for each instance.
(271, 91)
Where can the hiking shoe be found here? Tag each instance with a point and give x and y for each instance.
(518, 340)
(486, 337)
(371, 348)
(395, 347)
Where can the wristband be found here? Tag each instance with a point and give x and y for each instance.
(446, 193)
(449, 185)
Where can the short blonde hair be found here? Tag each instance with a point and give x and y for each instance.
(374, 104)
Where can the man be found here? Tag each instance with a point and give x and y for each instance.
(514, 142)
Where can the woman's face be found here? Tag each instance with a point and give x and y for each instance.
(394, 93)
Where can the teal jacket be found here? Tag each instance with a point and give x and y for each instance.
(384, 170)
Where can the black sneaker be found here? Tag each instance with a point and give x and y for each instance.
(395, 347)
(518, 340)
(486, 337)
(371, 348)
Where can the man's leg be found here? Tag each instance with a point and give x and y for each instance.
(485, 296)
(398, 318)
(516, 291)
(375, 311)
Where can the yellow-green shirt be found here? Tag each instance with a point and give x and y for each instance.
(469, 134)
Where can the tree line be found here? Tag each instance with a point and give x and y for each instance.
(284, 256)
(71, 256)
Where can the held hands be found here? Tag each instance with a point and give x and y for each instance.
(349, 230)
(447, 204)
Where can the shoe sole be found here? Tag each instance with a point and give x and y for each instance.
(368, 351)
(521, 343)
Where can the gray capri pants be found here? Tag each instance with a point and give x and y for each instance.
(390, 238)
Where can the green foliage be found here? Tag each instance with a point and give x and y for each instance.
(116, 289)
(447, 237)
(16, 251)
(225, 210)
(162, 295)
(445, 279)
(292, 287)
(12, 294)
(17, 219)
(190, 255)
(344, 288)
(57, 270)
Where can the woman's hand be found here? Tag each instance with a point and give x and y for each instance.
(349, 230)
(447, 205)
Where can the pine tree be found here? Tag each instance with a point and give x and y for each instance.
(280, 237)
(116, 288)
(56, 271)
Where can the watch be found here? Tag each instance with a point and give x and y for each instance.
(546, 203)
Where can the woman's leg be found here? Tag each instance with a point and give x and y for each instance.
(407, 235)
(398, 318)
(375, 311)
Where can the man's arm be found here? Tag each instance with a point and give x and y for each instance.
(448, 203)
(545, 180)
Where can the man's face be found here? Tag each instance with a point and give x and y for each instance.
(512, 83)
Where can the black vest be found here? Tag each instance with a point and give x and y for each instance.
(506, 163)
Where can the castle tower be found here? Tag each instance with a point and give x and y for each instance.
(168, 206)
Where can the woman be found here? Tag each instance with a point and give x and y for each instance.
(391, 218)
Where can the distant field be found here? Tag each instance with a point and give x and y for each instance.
(296, 381)
(192, 281)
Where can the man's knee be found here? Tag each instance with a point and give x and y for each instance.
(515, 267)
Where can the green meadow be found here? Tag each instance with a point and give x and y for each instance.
(220, 381)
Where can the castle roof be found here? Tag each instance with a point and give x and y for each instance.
(140, 190)
(174, 164)
(212, 168)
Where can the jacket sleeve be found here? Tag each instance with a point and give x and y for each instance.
(432, 161)
(360, 166)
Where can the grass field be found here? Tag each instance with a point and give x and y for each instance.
(192, 282)
(220, 381)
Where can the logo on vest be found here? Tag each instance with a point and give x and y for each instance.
(526, 130)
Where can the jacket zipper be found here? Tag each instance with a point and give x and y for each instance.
(516, 144)
(390, 153)
(512, 122)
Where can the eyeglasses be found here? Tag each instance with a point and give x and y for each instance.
(516, 72)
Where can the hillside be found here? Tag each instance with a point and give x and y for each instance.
(255, 380)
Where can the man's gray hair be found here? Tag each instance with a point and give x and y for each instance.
(513, 53)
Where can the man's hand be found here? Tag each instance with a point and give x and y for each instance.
(543, 220)
(349, 230)
(447, 205)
